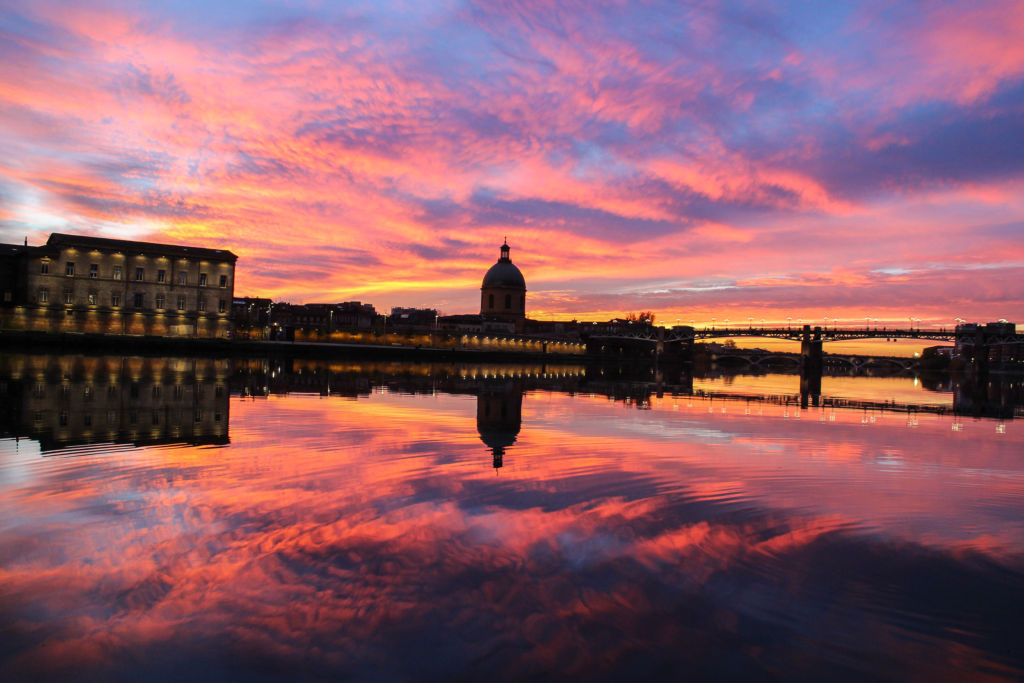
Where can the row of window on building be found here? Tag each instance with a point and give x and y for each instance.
(114, 390)
(138, 300)
(114, 418)
(140, 274)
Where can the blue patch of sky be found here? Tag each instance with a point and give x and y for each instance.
(812, 25)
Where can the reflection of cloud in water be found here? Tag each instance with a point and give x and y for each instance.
(594, 556)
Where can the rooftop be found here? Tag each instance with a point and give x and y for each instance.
(64, 240)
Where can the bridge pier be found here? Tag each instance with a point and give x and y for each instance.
(811, 359)
(811, 362)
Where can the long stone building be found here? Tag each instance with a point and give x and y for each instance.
(84, 284)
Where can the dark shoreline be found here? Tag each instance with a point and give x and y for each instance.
(76, 343)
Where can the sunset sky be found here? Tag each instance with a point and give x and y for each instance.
(699, 159)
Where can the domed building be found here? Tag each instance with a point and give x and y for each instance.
(503, 293)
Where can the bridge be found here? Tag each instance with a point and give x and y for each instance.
(979, 345)
(683, 333)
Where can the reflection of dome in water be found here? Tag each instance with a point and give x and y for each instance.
(498, 420)
(498, 439)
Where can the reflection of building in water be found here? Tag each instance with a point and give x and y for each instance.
(499, 416)
(265, 376)
(997, 397)
(62, 401)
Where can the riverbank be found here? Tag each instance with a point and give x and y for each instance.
(73, 343)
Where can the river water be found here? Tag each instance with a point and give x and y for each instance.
(212, 519)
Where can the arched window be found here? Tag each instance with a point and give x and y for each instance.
(508, 301)
(490, 301)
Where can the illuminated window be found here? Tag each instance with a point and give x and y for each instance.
(181, 303)
(182, 278)
(92, 298)
(223, 280)
(69, 268)
(117, 272)
(202, 279)
(140, 274)
(115, 299)
(138, 299)
(161, 276)
(44, 267)
(94, 270)
(159, 300)
(44, 295)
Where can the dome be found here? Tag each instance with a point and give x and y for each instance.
(504, 274)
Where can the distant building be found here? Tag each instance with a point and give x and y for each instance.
(418, 319)
(461, 324)
(994, 345)
(503, 294)
(326, 318)
(250, 316)
(75, 283)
